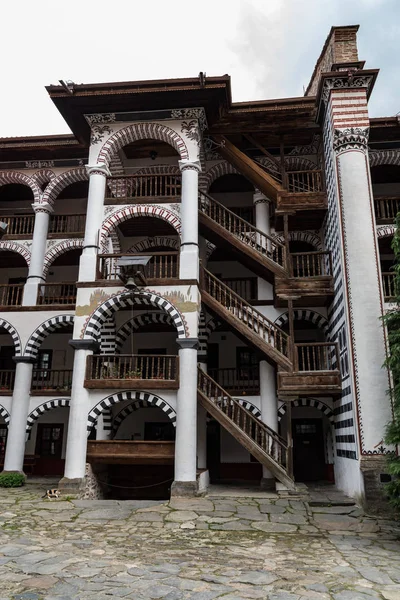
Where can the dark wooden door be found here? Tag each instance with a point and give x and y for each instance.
(308, 449)
(49, 442)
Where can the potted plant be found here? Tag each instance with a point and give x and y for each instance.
(134, 374)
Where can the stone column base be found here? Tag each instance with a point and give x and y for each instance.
(268, 484)
(19, 473)
(71, 486)
(184, 489)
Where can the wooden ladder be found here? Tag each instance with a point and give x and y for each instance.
(260, 440)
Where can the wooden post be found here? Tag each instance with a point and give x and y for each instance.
(291, 332)
(283, 168)
(288, 264)
(289, 438)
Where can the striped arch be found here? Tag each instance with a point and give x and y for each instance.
(139, 399)
(43, 408)
(14, 334)
(43, 176)
(302, 236)
(159, 170)
(306, 315)
(155, 242)
(142, 131)
(59, 249)
(211, 326)
(136, 323)
(4, 414)
(311, 402)
(93, 325)
(219, 170)
(62, 181)
(141, 210)
(297, 163)
(136, 405)
(10, 246)
(23, 179)
(252, 408)
(37, 337)
(386, 231)
(384, 157)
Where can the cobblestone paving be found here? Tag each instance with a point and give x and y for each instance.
(201, 549)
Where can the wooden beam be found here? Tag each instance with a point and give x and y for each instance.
(260, 178)
(263, 150)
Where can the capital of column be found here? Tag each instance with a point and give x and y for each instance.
(189, 165)
(25, 359)
(351, 138)
(100, 169)
(260, 198)
(43, 207)
(84, 345)
(188, 343)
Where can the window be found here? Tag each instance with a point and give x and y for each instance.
(43, 363)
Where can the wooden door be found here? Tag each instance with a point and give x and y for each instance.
(49, 440)
(308, 450)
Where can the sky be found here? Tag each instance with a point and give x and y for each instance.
(269, 47)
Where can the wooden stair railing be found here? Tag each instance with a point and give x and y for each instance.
(249, 322)
(263, 248)
(260, 440)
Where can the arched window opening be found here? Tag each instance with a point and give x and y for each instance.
(16, 199)
(7, 364)
(52, 371)
(13, 274)
(386, 190)
(70, 209)
(47, 439)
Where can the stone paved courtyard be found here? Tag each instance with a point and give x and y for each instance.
(224, 547)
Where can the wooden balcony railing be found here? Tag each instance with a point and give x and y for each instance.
(308, 182)
(268, 331)
(238, 379)
(24, 224)
(56, 293)
(7, 380)
(163, 265)
(51, 379)
(244, 212)
(11, 295)
(132, 367)
(19, 225)
(386, 208)
(389, 286)
(246, 287)
(67, 224)
(311, 264)
(322, 356)
(144, 186)
(241, 229)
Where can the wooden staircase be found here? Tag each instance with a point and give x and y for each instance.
(248, 323)
(263, 254)
(260, 440)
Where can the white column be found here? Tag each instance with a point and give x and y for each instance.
(189, 256)
(269, 410)
(202, 424)
(15, 450)
(263, 223)
(186, 420)
(75, 459)
(94, 217)
(363, 290)
(38, 251)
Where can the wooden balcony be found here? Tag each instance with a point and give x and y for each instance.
(386, 209)
(142, 188)
(7, 380)
(163, 266)
(137, 371)
(11, 295)
(49, 381)
(21, 226)
(311, 280)
(305, 195)
(57, 294)
(128, 452)
(240, 381)
(316, 372)
(388, 284)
